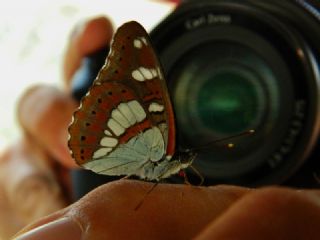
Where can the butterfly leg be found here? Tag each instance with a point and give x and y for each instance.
(198, 174)
(183, 174)
(316, 177)
(125, 177)
(145, 195)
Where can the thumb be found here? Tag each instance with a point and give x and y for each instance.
(108, 212)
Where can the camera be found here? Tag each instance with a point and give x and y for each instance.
(237, 65)
(232, 66)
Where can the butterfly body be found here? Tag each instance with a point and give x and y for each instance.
(125, 123)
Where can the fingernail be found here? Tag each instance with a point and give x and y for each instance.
(64, 228)
(78, 29)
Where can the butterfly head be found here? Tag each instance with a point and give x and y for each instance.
(186, 157)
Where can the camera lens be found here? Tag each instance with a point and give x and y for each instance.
(233, 66)
(221, 90)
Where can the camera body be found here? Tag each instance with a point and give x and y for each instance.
(237, 65)
(232, 66)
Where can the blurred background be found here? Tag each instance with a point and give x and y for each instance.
(33, 37)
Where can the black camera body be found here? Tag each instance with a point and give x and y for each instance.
(235, 65)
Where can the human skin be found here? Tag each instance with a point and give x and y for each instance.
(34, 171)
(184, 212)
(179, 211)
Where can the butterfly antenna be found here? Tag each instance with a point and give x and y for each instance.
(230, 145)
(145, 195)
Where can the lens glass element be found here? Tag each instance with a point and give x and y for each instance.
(222, 89)
(228, 100)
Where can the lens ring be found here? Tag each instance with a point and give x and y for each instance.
(224, 84)
(242, 159)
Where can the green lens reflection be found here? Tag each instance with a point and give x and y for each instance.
(227, 102)
(222, 89)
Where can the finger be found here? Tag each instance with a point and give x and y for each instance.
(44, 113)
(27, 180)
(168, 212)
(271, 213)
(86, 38)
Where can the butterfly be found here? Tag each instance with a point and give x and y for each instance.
(125, 123)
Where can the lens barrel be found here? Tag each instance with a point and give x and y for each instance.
(233, 66)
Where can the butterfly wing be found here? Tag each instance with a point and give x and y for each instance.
(125, 122)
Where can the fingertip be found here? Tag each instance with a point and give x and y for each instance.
(268, 213)
(66, 227)
(87, 37)
(93, 34)
(35, 112)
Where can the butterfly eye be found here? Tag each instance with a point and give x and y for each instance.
(93, 112)
(99, 100)
(83, 138)
(116, 71)
(87, 124)
(110, 93)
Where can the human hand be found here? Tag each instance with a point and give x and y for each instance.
(45, 112)
(34, 172)
(183, 212)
